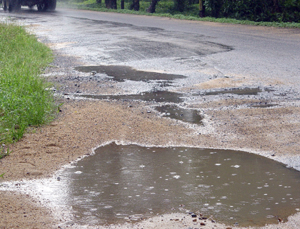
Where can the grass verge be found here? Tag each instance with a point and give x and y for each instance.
(24, 100)
(165, 9)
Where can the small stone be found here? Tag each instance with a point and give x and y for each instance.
(202, 224)
(194, 215)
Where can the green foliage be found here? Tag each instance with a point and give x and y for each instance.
(165, 8)
(24, 100)
(255, 10)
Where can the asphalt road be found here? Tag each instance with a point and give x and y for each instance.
(262, 55)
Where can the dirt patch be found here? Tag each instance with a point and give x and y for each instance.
(221, 83)
(22, 211)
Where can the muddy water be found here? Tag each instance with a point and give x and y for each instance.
(122, 73)
(121, 183)
(152, 96)
(179, 113)
(237, 91)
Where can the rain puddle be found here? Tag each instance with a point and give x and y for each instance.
(263, 105)
(122, 73)
(151, 96)
(237, 91)
(130, 182)
(179, 113)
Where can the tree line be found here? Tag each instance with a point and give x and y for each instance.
(254, 10)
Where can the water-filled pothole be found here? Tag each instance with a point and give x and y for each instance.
(179, 113)
(121, 73)
(151, 96)
(121, 183)
(237, 91)
(264, 105)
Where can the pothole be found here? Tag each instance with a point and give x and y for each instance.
(122, 73)
(237, 91)
(151, 96)
(129, 182)
(179, 113)
(263, 105)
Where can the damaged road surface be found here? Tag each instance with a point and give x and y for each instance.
(164, 123)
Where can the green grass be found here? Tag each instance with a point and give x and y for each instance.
(166, 9)
(24, 100)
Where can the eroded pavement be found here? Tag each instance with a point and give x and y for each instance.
(113, 72)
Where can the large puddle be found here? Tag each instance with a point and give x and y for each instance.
(121, 183)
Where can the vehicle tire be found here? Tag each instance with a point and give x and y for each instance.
(42, 7)
(11, 6)
(51, 5)
(14, 5)
(4, 5)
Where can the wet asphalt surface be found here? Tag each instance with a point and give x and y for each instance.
(167, 63)
(195, 52)
(103, 53)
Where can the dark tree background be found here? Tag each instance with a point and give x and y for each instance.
(152, 6)
(135, 5)
(111, 4)
(254, 10)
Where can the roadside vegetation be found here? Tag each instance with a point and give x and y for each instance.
(277, 13)
(24, 98)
